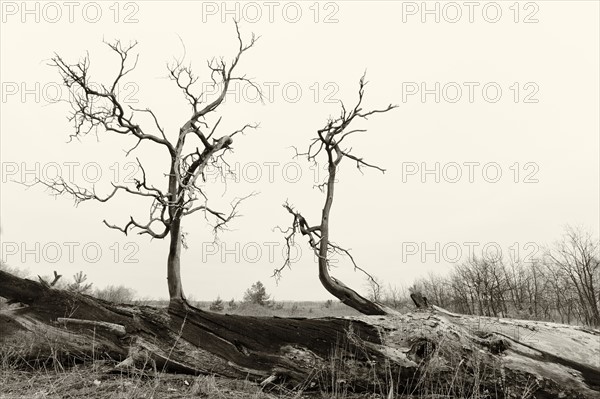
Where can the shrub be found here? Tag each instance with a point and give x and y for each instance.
(79, 284)
(231, 305)
(117, 294)
(257, 294)
(15, 271)
(294, 308)
(217, 305)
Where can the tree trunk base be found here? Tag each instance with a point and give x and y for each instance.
(428, 352)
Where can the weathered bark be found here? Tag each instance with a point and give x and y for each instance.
(415, 353)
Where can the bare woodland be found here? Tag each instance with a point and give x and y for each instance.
(560, 286)
(398, 351)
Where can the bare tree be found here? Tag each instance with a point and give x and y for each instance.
(375, 288)
(559, 286)
(577, 256)
(101, 108)
(328, 143)
(396, 296)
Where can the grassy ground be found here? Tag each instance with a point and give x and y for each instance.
(95, 382)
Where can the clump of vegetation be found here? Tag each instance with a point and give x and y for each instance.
(79, 284)
(257, 294)
(231, 305)
(294, 309)
(217, 305)
(116, 294)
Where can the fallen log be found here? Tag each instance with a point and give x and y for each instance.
(422, 353)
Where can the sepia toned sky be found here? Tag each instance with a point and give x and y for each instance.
(494, 144)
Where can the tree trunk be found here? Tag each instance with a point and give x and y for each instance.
(176, 297)
(421, 353)
(335, 287)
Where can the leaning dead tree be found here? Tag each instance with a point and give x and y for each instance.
(190, 150)
(330, 144)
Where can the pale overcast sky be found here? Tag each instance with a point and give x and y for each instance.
(498, 102)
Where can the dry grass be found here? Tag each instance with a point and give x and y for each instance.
(94, 381)
(97, 380)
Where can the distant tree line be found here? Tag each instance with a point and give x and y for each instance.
(256, 294)
(562, 284)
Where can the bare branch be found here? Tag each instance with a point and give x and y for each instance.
(225, 74)
(94, 108)
(346, 252)
(299, 225)
(233, 213)
(144, 229)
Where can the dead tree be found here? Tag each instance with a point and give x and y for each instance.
(329, 143)
(95, 109)
(577, 257)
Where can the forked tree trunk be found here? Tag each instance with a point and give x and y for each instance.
(424, 353)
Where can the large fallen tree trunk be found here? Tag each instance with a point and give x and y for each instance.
(427, 352)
